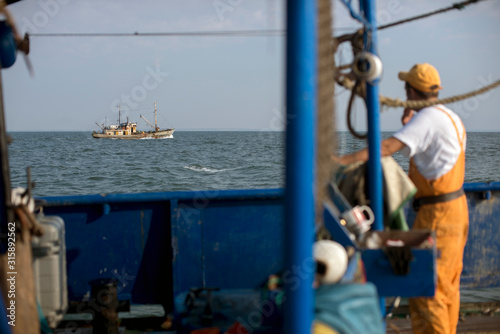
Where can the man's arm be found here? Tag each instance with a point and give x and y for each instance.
(388, 147)
(407, 115)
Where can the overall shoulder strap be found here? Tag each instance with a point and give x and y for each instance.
(460, 139)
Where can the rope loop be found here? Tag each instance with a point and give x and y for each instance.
(357, 89)
(389, 102)
(413, 104)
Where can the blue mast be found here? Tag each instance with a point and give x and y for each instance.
(300, 161)
(374, 136)
(373, 106)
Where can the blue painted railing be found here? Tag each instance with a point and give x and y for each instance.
(160, 244)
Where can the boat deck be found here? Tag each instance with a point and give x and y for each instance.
(480, 316)
(480, 313)
(469, 324)
(477, 324)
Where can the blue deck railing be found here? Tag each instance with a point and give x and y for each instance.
(160, 244)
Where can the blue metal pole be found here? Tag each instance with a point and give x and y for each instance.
(374, 136)
(300, 156)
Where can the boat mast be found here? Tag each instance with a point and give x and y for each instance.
(144, 118)
(156, 119)
(300, 154)
(119, 116)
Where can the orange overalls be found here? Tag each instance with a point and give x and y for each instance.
(450, 221)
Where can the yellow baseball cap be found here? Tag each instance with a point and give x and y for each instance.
(423, 77)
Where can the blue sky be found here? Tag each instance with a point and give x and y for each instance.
(224, 82)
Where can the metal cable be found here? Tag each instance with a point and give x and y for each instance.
(458, 5)
(228, 33)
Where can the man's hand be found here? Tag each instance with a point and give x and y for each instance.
(407, 115)
(389, 146)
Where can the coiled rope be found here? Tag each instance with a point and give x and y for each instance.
(355, 91)
(394, 103)
(389, 102)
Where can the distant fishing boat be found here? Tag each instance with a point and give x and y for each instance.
(128, 130)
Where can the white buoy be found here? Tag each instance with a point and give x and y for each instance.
(334, 257)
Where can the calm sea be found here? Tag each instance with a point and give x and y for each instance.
(74, 163)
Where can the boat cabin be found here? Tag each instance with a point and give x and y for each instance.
(124, 129)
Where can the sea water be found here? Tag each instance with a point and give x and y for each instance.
(74, 163)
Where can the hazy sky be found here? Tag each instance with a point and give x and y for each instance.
(225, 82)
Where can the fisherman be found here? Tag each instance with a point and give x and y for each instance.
(434, 139)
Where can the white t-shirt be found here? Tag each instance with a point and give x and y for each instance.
(431, 139)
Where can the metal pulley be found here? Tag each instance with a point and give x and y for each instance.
(367, 66)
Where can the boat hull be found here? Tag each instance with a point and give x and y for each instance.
(143, 135)
(176, 227)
